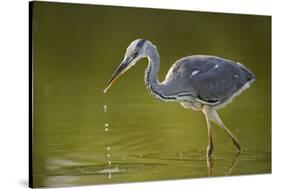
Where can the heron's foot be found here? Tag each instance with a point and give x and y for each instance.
(236, 143)
(210, 149)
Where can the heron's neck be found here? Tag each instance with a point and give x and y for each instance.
(152, 70)
(151, 74)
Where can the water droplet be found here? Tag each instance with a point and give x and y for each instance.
(106, 125)
(104, 108)
(109, 162)
(108, 155)
(109, 175)
(105, 90)
(106, 129)
(108, 148)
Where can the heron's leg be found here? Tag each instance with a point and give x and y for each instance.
(210, 146)
(217, 120)
(210, 166)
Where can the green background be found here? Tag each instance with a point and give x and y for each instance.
(76, 48)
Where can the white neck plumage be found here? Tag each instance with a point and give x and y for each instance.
(151, 75)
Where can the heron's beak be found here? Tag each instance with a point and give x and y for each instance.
(122, 68)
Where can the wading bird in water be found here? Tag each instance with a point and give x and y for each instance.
(199, 82)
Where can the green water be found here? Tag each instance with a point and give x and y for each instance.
(76, 48)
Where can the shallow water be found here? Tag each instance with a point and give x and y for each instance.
(82, 136)
(144, 145)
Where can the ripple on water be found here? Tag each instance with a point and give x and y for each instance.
(111, 170)
(115, 168)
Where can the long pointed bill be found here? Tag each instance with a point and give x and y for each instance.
(119, 71)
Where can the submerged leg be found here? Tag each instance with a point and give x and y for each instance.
(210, 146)
(210, 166)
(218, 121)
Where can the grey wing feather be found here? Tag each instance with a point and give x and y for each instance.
(211, 79)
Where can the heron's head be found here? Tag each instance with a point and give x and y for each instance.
(135, 51)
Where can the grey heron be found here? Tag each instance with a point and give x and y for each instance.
(198, 82)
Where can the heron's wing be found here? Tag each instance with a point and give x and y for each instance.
(210, 79)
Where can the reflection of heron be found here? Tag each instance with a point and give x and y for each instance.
(199, 82)
(229, 170)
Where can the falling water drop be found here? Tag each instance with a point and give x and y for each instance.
(104, 108)
(108, 155)
(106, 89)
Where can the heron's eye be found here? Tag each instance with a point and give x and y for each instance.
(135, 54)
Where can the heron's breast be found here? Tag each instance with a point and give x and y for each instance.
(192, 103)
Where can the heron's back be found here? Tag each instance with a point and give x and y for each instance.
(210, 79)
